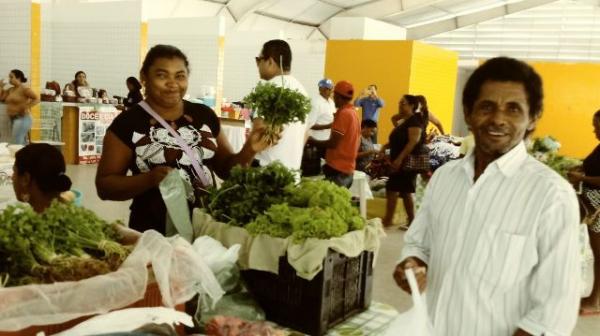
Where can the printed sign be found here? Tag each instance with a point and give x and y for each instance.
(93, 122)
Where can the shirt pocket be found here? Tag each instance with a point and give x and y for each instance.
(501, 260)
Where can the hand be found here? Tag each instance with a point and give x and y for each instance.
(258, 138)
(2, 83)
(419, 268)
(396, 165)
(575, 176)
(157, 174)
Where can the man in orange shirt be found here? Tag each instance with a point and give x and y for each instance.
(342, 145)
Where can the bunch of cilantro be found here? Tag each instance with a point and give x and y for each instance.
(278, 106)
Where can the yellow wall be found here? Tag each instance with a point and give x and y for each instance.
(34, 74)
(384, 63)
(397, 68)
(433, 75)
(571, 97)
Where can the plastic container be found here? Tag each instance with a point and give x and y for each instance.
(342, 289)
(78, 201)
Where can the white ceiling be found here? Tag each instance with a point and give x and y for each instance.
(532, 29)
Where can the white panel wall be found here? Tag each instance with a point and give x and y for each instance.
(102, 39)
(46, 45)
(198, 39)
(241, 73)
(15, 37)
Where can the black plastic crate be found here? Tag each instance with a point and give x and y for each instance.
(341, 290)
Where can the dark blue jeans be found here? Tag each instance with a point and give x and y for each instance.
(337, 177)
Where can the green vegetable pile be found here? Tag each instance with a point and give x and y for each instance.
(65, 243)
(277, 106)
(312, 209)
(266, 200)
(249, 192)
(546, 150)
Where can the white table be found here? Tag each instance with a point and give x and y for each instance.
(236, 136)
(7, 194)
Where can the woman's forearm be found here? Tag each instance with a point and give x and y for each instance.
(122, 188)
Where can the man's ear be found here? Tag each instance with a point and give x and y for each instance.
(533, 123)
(467, 115)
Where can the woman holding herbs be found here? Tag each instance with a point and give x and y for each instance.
(152, 146)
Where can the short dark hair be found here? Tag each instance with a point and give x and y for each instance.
(19, 75)
(133, 81)
(74, 82)
(597, 115)
(163, 51)
(373, 85)
(46, 166)
(368, 123)
(280, 52)
(505, 69)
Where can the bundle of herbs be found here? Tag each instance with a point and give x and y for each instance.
(65, 243)
(278, 106)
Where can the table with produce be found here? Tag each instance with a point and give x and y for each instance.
(265, 247)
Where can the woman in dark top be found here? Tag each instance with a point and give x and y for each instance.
(588, 176)
(135, 93)
(407, 136)
(136, 141)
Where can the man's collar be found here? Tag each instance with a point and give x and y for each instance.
(508, 163)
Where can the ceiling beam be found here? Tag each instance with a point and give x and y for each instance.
(287, 20)
(437, 27)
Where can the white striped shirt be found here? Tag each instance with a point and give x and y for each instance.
(503, 252)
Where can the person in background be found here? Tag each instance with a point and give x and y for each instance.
(404, 139)
(19, 100)
(423, 108)
(366, 150)
(371, 104)
(343, 142)
(103, 94)
(318, 125)
(135, 93)
(496, 240)
(137, 142)
(79, 81)
(39, 175)
(589, 176)
(274, 66)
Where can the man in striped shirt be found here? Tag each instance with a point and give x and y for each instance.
(495, 242)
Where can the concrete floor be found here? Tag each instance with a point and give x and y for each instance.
(384, 288)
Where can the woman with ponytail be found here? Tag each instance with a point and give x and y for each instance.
(39, 175)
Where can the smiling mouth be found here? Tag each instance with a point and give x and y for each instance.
(495, 134)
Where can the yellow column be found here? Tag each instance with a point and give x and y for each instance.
(34, 74)
(143, 41)
(220, 68)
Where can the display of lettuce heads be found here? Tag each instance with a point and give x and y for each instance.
(65, 243)
(267, 200)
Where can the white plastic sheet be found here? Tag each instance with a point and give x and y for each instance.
(179, 271)
(414, 322)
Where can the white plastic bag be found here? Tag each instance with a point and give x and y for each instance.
(179, 272)
(173, 192)
(126, 320)
(414, 322)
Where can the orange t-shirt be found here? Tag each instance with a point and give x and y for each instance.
(343, 156)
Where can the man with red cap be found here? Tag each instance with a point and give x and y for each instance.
(343, 142)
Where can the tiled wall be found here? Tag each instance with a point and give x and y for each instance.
(241, 74)
(198, 39)
(15, 37)
(102, 39)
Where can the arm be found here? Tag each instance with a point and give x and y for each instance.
(554, 285)
(112, 182)
(358, 101)
(521, 332)
(321, 127)
(414, 135)
(34, 98)
(434, 120)
(3, 93)
(332, 142)
(366, 153)
(576, 176)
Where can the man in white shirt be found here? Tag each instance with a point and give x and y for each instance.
(318, 126)
(274, 65)
(495, 242)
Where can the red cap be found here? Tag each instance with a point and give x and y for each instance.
(344, 89)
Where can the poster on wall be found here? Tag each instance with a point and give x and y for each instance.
(93, 122)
